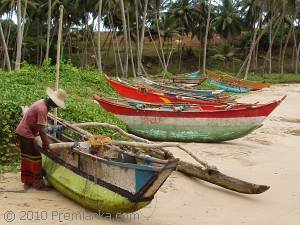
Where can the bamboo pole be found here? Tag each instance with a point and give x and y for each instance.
(58, 55)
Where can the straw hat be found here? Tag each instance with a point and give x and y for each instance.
(58, 97)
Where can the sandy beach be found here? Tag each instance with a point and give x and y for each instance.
(270, 156)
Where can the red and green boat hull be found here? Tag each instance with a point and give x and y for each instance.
(190, 126)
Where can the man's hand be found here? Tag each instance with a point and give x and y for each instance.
(46, 142)
(46, 146)
(52, 153)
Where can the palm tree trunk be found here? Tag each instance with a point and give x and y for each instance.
(281, 47)
(160, 44)
(117, 43)
(6, 58)
(129, 41)
(254, 40)
(137, 35)
(112, 43)
(8, 31)
(142, 37)
(294, 49)
(274, 35)
(270, 47)
(285, 46)
(297, 59)
(19, 36)
(125, 37)
(86, 43)
(48, 29)
(91, 36)
(256, 57)
(199, 56)
(99, 61)
(180, 55)
(155, 47)
(206, 37)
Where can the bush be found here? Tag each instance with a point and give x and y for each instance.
(28, 85)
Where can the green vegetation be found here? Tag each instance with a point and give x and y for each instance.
(28, 85)
(276, 78)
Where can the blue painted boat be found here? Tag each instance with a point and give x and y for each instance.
(227, 87)
(195, 74)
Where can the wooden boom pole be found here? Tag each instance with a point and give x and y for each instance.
(58, 55)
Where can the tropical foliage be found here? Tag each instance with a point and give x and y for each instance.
(167, 24)
(27, 85)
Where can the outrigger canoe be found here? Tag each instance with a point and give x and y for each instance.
(228, 87)
(187, 81)
(122, 182)
(167, 124)
(179, 90)
(150, 96)
(232, 81)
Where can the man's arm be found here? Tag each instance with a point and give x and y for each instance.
(44, 137)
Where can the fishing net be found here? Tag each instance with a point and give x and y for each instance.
(100, 146)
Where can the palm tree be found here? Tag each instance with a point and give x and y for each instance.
(198, 27)
(227, 21)
(225, 54)
(185, 12)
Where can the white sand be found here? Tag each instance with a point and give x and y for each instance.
(270, 156)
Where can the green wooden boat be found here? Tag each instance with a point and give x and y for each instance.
(122, 183)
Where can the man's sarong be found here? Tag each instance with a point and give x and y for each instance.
(31, 162)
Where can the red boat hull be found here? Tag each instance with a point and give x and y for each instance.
(149, 96)
(166, 124)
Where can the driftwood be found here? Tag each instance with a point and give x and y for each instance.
(204, 172)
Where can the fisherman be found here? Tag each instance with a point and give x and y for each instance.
(32, 125)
